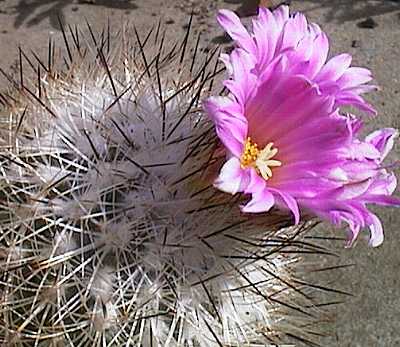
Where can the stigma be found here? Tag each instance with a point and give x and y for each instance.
(261, 160)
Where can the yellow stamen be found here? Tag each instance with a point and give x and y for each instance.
(261, 160)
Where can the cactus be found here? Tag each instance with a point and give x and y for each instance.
(111, 231)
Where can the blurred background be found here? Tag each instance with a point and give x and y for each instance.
(367, 29)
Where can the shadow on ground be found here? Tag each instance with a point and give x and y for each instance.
(32, 12)
(352, 10)
(249, 7)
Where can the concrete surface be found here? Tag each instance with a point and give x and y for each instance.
(372, 317)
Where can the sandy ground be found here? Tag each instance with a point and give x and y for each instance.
(372, 317)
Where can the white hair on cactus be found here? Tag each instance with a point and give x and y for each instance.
(111, 231)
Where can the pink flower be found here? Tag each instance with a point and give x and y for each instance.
(305, 48)
(287, 142)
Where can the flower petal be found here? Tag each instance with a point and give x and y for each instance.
(382, 200)
(334, 68)
(244, 81)
(320, 54)
(294, 30)
(383, 184)
(225, 58)
(266, 33)
(231, 126)
(281, 15)
(234, 27)
(232, 178)
(376, 231)
(353, 77)
(349, 98)
(289, 201)
(383, 140)
(349, 191)
(261, 201)
(256, 182)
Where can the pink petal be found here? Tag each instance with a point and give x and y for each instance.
(299, 57)
(294, 170)
(261, 201)
(232, 178)
(320, 54)
(335, 211)
(334, 68)
(382, 200)
(383, 184)
(292, 104)
(290, 202)
(234, 27)
(349, 191)
(349, 98)
(383, 140)
(358, 170)
(225, 58)
(314, 29)
(362, 150)
(353, 77)
(266, 33)
(323, 134)
(294, 30)
(281, 15)
(256, 182)
(376, 231)
(231, 126)
(362, 89)
(305, 187)
(244, 81)
(353, 231)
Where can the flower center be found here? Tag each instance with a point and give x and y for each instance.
(261, 160)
